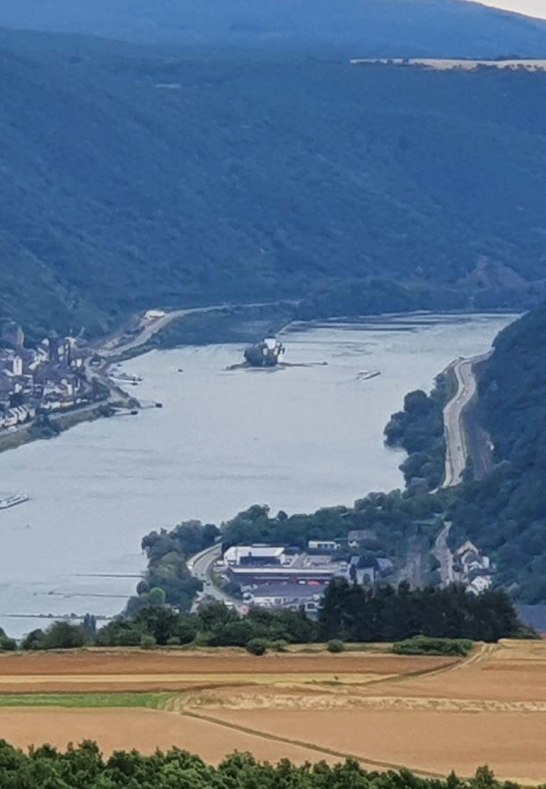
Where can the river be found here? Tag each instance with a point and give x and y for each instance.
(297, 438)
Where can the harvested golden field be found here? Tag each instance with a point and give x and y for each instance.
(426, 740)
(144, 730)
(124, 670)
(428, 714)
(513, 672)
(488, 709)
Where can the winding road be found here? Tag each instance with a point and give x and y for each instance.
(443, 555)
(456, 444)
(123, 343)
(200, 566)
(126, 342)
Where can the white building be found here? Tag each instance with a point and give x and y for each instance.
(479, 584)
(247, 554)
(10, 419)
(17, 365)
(154, 315)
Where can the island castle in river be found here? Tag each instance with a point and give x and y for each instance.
(264, 354)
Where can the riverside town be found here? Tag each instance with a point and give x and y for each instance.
(44, 380)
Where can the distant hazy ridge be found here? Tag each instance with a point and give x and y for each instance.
(374, 27)
(132, 177)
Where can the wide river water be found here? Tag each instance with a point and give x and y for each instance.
(296, 438)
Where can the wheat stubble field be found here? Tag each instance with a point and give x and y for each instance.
(429, 714)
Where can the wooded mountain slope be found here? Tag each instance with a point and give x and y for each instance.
(506, 513)
(365, 27)
(133, 177)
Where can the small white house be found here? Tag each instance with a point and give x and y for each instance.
(154, 315)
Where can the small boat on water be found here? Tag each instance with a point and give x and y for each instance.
(12, 500)
(367, 375)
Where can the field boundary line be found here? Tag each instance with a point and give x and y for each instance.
(303, 744)
(479, 653)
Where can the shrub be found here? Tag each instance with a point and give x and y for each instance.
(423, 645)
(278, 645)
(7, 644)
(186, 631)
(63, 635)
(127, 638)
(236, 633)
(33, 640)
(147, 641)
(257, 646)
(335, 646)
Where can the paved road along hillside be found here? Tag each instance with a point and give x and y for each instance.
(456, 446)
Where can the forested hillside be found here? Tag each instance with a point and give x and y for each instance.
(373, 27)
(506, 513)
(133, 177)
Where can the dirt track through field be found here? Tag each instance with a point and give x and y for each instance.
(431, 742)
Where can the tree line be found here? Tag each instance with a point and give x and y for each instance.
(84, 767)
(356, 613)
(348, 612)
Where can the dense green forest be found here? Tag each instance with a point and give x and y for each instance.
(354, 613)
(384, 27)
(135, 176)
(506, 512)
(419, 429)
(84, 767)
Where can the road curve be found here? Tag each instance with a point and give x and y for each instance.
(123, 343)
(456, 445)
(443, 555)
(200, 566)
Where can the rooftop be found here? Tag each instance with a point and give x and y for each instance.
(238, 552)
(287, 590)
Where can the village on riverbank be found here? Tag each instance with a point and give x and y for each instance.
(47, 379)
(62, 381)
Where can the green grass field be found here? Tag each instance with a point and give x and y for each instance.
(85, 700)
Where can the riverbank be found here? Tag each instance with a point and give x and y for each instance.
(25, 435)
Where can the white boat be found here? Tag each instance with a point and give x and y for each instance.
(12, 501)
